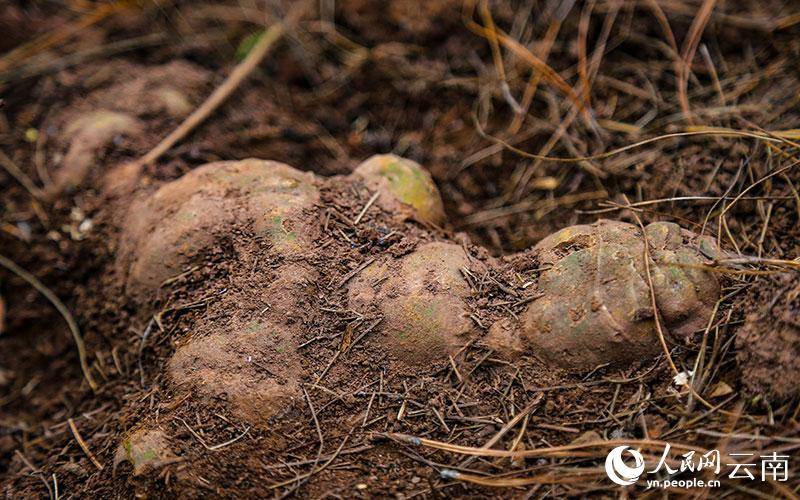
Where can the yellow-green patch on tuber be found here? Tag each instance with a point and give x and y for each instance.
(405, 189)
(145, 449)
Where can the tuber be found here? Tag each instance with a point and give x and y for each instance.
(590, 304)
(422, 299)
(404, 188)
(167, 230)
(88, 134)
(595, 305)
(144, 449)
(120, 110)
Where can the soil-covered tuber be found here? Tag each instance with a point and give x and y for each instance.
(422, 299)
(403, 187)
(144, 449)
(590, 304)
(595, 305)
(383, 248)
(166, 232)
(89, 133)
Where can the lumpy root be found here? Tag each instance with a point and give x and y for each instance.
(590, 304)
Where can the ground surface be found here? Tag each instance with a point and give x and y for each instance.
(357, 78)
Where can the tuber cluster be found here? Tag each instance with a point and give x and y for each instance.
(588, 300)
(260, 234)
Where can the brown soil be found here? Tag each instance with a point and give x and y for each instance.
(770, 337)
(255, 330)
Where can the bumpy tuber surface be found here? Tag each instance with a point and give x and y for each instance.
(595, 305)
(422, 299)
(404, 188)
(251, 360)
(590, 305)
(166, 232)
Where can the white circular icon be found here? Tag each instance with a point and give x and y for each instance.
(620, 472)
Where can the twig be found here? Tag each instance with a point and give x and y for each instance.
(349, 451)
(568, 450)
(35, 470)
(364, 333)
(546, 45)
(519, 50)
(712, 132)
(689, 49)
(347, 277)
(510, 425)
(216, 446)
(321, 467)
(303, 480)
(328, 367)
(15, 172)
(237, 76)
(54, 37)
(113, 48)
(364, 210)
(83, 445)
(574, 477)
(62, 309)
(756, 183)
(497, 58)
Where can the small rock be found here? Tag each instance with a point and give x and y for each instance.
(144, 448)
(587, 437)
